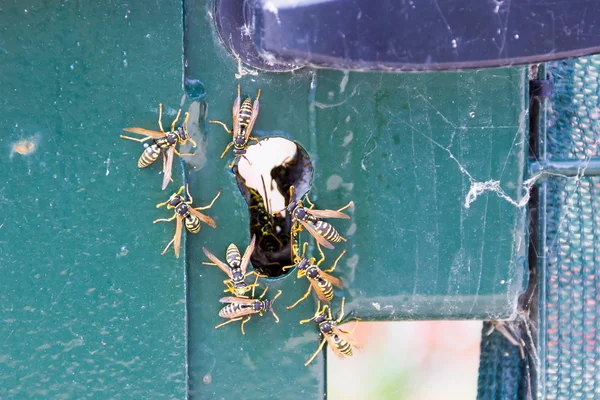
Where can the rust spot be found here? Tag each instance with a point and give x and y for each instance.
(25, 146)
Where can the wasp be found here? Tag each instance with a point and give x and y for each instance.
(244, 117)
(310, 219)
(163, 142)
(340, 340)
(240, 307)
(236, 270)
(185, 212)
(319, 280)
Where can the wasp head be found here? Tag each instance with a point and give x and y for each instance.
(183, 136)
(321, 316)
(174, 200)
(303, 264)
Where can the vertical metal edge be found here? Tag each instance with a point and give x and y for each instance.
(186, 295)
(186, 292)
(542, 250)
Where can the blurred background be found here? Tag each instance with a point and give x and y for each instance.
(408, 360)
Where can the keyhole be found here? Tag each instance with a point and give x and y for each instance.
(264, 178)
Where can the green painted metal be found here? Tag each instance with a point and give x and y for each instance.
(410, 150)
(87, 305)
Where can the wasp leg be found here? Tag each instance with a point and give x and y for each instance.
(322, 255)
(228, 322)
(243, 322)
(253, 138)
(255, 284)
(304, 321)
(300, 274)
(175, 120)
(301, 298)
(169, 245)
(346, 206)
(276, 317)
(354, 327)
(288, 267)
(185, 123)
(231, 164)
(211, 203)
(160, 118)
(136, 139)
(226, 149)
(165, 219)
(335, 263)
(187, 191)
(341, 311)
(222, 124)
(183, 154)
(316, 352)
(263, 293)
(247, 160)
(309, 202)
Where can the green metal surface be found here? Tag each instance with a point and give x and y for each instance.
(88, 308)
(411, 150)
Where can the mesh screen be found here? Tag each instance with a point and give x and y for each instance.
(573, 123)
(572, 347)
(501, 369)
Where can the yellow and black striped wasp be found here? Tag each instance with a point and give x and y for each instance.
(236, 270)
(163, 142)
(244, 117)
(185, 212)
(340, 340)
(238, 308)
(319, 280)
(310, 219)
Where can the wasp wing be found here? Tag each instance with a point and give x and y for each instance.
(320, 239)
(204, 218)
(236, 114)
(333, 346)
(327, 213)
(334, 281)
(224, 267)
(145, 132)
(255, 108)
(318, 290)
(347, 336)
(169, 167)
(178, 229)
(239, 300)
(247, 255)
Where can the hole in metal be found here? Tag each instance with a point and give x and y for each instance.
(264, 179)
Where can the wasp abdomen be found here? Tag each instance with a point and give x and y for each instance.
(328, 231)
(343, 346)
(245, 114)
(192, 224)
(149, 155)
(233, 256)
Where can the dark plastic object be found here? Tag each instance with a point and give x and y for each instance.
(424, 35)
(234, 23)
